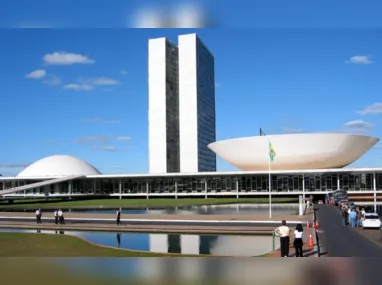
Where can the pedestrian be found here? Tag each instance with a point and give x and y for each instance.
(298, 242)
(119, 217)
(353, 217)
(55, 217)
(61, 217)
(283, 232)
(359, 216)
(345, 216)
(38, 216)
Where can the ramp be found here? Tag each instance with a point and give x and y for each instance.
(39, 184)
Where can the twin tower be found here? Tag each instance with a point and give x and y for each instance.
(181, 106)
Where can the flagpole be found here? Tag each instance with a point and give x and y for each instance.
(270, 187)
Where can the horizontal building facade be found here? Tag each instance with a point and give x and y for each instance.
(209, 184)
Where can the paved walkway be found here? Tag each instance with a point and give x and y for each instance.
(239, 217)
(341, 241)
(141, 228)
(308, 251)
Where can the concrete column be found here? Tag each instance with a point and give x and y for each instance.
(176, 189)
(205, 188)
(237, 189)
(375, 191)
(120, 188)
(70, 187)
(338, 181)
(303, 187)
(147, 190)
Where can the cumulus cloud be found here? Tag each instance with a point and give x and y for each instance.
(37, 74)
(90, 83)
(78, 87)
(106, 148)
(376, 108)
(52, 80)
(13, 165)
(183, 15)
(360, 59)
(92, 139)
(101, 121)
(123, 138)
(101, 139)
(64, 58)
(358, 125)
(293, 130)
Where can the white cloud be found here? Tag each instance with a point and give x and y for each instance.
(106, 147)
(102, 81)
(360, 59)
(91, 83)
(217, 85)
(123, 138)
(376, 108)
(379, 146)
(37, 74)
(124, 72)
(52, 80)
(359, 125)
(63, 58)
(101, 121)
(78, 87)
(101, 139)
(13, 165)
(92, 139)
(293, 130)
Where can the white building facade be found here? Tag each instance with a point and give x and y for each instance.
(181, 106)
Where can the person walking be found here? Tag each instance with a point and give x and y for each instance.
(353, 217)
(55, 217)
(345, 216)
(38, 216)
(119, 217)
(283, 232)
(61, 217)
(298, 240)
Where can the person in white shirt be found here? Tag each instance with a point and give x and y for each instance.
(283, 232)
(38, 216)
(55, 217)
(61, 217)
(298, 240)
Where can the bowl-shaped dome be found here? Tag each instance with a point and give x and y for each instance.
(294, 151)
(58, 166)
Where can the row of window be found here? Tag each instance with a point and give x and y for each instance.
(351, 182)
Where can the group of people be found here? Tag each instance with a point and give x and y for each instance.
(284, 233)
(352, 215)
(58, 217)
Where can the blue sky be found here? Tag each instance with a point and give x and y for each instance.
(283, 80)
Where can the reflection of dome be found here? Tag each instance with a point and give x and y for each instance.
(58, 165)
(294, 151)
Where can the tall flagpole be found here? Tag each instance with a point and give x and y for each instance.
(270, 185)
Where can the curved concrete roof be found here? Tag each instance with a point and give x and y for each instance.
(58, 166)
(294, 151)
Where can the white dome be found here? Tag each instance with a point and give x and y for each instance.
(294, 151)
(58, 166)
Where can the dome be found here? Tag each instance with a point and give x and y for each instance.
(58, 165)
(294, 151)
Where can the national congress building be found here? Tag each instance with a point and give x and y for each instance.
(183, 148)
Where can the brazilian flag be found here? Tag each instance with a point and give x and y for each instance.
(272, 152)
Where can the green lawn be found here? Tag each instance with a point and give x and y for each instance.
(136, 202)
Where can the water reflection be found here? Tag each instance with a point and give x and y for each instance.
(258, 209)
(219, 245)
